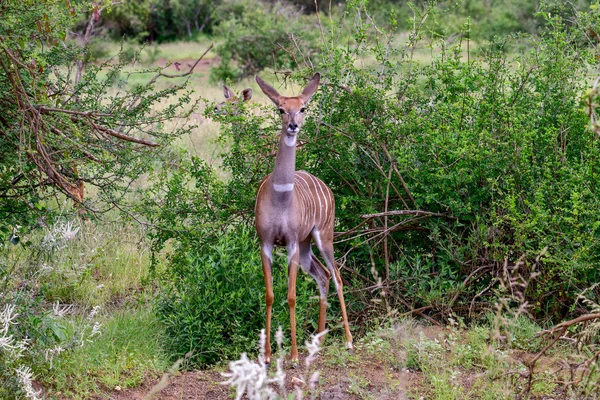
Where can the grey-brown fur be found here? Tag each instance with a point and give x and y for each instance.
(294, 208)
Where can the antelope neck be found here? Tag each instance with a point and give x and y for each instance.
(285, 163)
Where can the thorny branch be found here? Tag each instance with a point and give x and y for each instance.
(56, 139)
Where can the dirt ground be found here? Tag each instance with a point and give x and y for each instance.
(364, 373)
(370, 379)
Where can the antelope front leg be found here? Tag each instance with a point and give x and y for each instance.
(266, 256)
(293, 258)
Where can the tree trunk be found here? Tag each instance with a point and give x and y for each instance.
(196, 15)
(206, 19)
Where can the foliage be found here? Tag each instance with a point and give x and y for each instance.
(128, 351)
(497, 149)
(57, 282)
(64, 127)
(256, 37)
(160, 20)
(213, 298)
(490, 20)
(488, 157)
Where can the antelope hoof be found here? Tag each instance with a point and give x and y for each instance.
(349, 346)
(294, 363)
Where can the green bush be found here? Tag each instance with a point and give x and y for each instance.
(212, 303)
(256, 36)
(494, 148)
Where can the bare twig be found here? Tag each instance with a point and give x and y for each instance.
(417, 213)
(189, 72)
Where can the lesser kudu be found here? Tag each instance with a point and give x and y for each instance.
(293, 208)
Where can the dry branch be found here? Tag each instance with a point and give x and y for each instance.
(189, 72)
(417, 213)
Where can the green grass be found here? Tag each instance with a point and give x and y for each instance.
(128, 351)
(103, 264)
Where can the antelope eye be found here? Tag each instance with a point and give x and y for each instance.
(281, 111)
(302, 110)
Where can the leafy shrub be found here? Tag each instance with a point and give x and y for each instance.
(257, 35)
(213, 301)
(482, 144)
(488, 156)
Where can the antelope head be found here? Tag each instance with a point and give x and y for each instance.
(231, 98)
(292, 109)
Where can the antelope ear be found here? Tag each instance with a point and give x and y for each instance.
(311, 88)
(246, 94)
(269, 91)
(228, 93)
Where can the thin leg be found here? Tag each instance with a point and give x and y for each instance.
(293, 258)
(324, 290)
(340, 291)
(327, 252)
(312, 266)
(266, 256)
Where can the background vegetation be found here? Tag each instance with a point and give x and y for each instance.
(456, 138)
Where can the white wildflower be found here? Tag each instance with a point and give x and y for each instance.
(25, 375)
(56, 238)
(313, 347)
(247, 377)
(61, 311)
(95, 330)
(314, 379)
(6, 317)
(50, 353)
(67, 231)
(7, 342)
(45, 268)
(93, 313)
(279, 337)
(251, 378)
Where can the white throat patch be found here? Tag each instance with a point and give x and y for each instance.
(290, 141)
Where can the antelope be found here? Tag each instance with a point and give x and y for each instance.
(293, 208)
(231, 98)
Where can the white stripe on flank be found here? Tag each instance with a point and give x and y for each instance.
(301, 190)
(308, 193)
(286, 187)
(325, 200)
(315, 183)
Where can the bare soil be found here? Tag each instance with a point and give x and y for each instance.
(364, 373)
(363, 376)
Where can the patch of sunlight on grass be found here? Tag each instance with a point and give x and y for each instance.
(183, 50)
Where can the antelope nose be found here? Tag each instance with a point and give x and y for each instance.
(293, 126)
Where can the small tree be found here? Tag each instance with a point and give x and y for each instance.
(65, 126)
